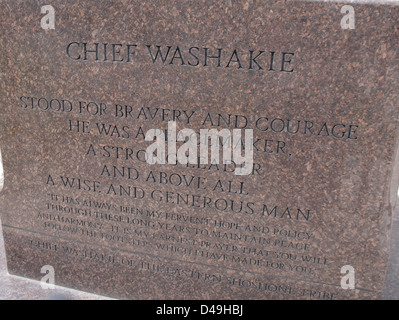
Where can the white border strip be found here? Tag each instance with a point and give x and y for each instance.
(374, 2)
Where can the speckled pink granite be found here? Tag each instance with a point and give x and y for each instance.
(322, 102)
(17, 288)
